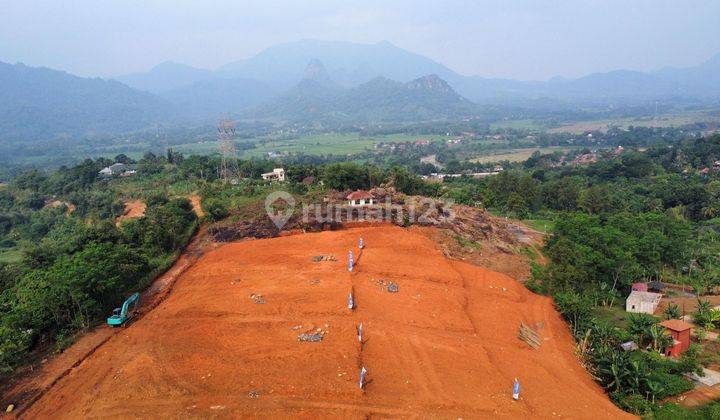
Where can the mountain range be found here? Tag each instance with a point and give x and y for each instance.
(316, 80)
(351, 64)
(317, 97)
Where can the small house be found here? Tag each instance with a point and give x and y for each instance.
(642, 302)
(360, 198)
(277, 174)
(639, 287)
(680, 332)
(114, 169)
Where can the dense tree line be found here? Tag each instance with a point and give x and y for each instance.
(76, 266)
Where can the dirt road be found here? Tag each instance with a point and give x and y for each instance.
(445, 345)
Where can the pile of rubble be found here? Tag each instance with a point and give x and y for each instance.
(311, 335)
(320, 258)
(259, 299)
(470, 223)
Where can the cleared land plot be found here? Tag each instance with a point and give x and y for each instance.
(516, 155)
(445, 345)
(668, 120)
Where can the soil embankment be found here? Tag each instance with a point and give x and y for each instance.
(225, 342)
(133, 209)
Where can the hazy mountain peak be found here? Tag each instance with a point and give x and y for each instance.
(165, 76)
(315, 70)
(430, 82)
(172, 65)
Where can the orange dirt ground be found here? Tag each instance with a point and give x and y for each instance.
(133, 208)
(444, 345)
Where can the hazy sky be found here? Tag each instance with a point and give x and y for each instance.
(512, 39)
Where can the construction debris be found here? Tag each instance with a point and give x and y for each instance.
(529, 336)
(320, 258)
(312, 337)
(259, 299)
(390, 286)
(253, 394)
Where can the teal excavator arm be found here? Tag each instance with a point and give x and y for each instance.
(121, 315)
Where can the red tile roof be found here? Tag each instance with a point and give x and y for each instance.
(676, 325)
(359, 195)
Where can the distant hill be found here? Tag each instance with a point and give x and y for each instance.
(164, 77)
(210, 99)
(702, 80)
(40, 103)
(318, 98)
(348, 63)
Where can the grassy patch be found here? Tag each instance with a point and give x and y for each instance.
(320, 144)
(465, 243)
(10, 255)
(519, 125)
(674, 411)
(613, 315)
(540, 225)
(529, 252)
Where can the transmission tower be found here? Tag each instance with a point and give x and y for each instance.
(226, 138)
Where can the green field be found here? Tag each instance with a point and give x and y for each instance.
(534, 125)
(321, 144)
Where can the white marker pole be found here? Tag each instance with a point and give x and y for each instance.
(363, 372)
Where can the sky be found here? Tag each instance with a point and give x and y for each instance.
(523, 39)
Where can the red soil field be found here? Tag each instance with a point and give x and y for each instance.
(133, 209)
(445, 345)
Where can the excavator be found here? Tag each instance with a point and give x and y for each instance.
(122, 315)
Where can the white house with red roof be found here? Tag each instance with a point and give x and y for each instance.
(360, 198)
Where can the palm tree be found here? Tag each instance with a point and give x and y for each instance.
(672, 311)
(639, 326)
(614, 369)
(660, 340)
